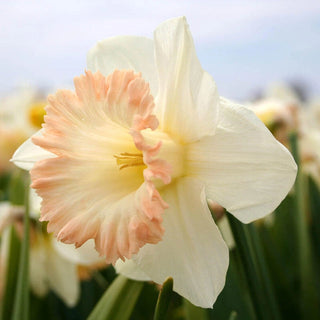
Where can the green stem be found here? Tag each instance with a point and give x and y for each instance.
(21, 302)
(163, 300)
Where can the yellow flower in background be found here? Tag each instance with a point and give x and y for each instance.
(129, 158)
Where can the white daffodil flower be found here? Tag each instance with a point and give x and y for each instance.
(129, 159)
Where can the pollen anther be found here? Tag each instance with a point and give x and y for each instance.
(126, 159)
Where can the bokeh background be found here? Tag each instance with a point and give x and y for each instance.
(245, 45)
(248, 47)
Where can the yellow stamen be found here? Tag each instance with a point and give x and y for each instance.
(126, 159)
(36, 114)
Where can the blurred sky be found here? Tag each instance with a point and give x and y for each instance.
(245, 45)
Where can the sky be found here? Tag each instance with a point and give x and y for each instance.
(245, 45)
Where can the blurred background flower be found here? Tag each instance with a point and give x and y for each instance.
(21, 115)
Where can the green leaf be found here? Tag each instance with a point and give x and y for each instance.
(251, 269)
(11, 274)
(118, 301)
(309, 303)
(235, 294)
(268, 286)
(163, 300)
(21, 302)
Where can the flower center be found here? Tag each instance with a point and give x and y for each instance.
(126, 159)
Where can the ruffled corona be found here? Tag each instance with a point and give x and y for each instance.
(104, 168)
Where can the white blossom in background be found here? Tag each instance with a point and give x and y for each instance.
(284, 113)
(21, 115)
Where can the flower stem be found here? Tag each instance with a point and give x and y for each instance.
(21, 302)
(163, 300)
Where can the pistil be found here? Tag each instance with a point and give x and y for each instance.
(126, 159)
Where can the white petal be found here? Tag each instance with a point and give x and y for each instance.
(246, 170)
(192, 251)
(130, 269)
(187, 102)
(28, 154)
(63, 277)
(125, 52)
(84, 255)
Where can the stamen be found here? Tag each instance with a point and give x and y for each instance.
(126, 159)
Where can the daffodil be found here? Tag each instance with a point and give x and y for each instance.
(131, 156)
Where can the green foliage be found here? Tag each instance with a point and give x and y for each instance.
(163, 300)
(118, 301)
